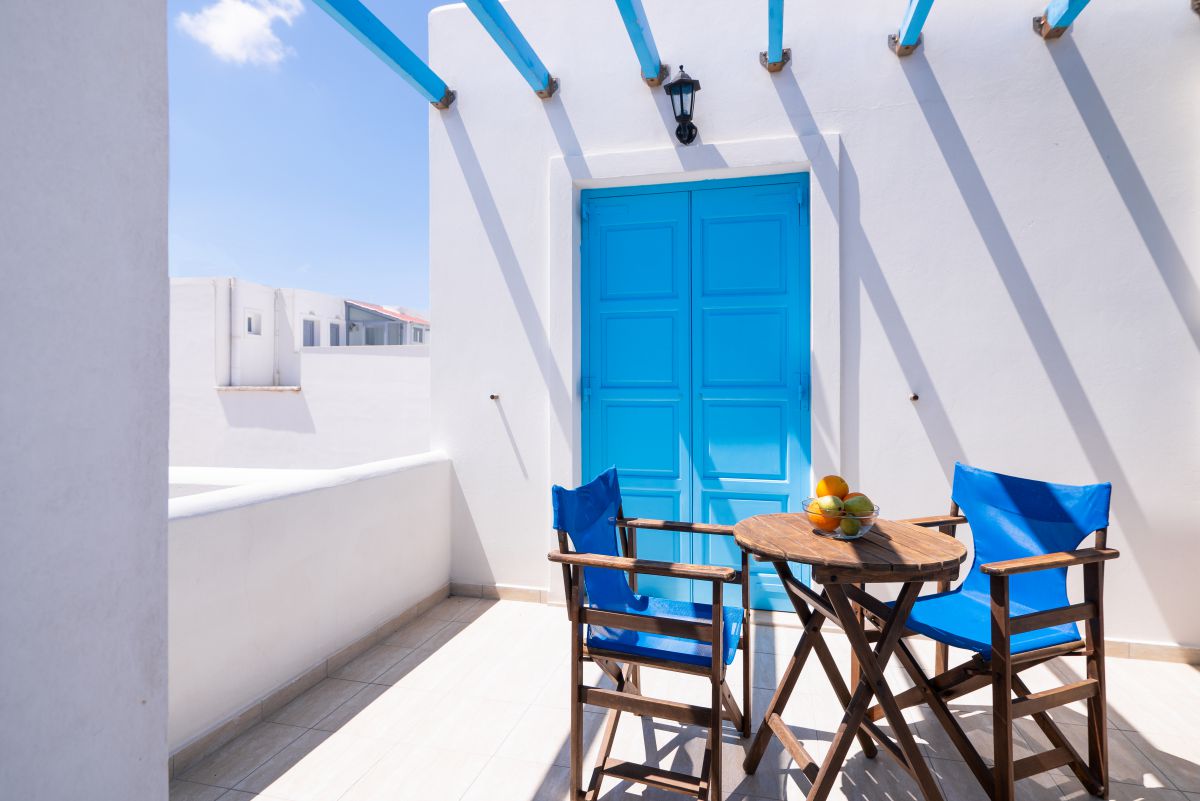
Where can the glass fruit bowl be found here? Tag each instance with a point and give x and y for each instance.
(839, 524)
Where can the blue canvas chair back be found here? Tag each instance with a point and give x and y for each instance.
(1014, 517)
(588, 515)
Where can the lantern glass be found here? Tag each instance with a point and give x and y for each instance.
(682, 91)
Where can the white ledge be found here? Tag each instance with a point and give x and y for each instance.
(258, 485)
(258, 389)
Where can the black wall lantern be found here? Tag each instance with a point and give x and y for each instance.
(682, 90)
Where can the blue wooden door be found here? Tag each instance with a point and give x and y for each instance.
(636, 379)
(695, 348)
(750, 351)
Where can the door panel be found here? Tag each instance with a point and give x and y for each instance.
(750, 361)
(637, 376)
(695, 348)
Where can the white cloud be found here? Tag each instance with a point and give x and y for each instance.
(242, 31)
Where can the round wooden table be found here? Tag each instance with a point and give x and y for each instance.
(893, 552)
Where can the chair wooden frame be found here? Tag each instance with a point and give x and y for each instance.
(1002, 671)
(627, 696)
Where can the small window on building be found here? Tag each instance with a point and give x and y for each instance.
(312, 336)
(395, 333)
(375, 334)
(418, 335)
(254, 323)
(335, 335)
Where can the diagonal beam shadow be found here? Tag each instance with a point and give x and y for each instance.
(1131, 185)
(510, 268)
(859, 255)
(1020, 287)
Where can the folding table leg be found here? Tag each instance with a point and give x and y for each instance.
(873, 684)
(793, 588)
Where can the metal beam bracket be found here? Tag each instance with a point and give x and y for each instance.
(1043, 29)
(664, 72)
(776, 66)
(903, 50)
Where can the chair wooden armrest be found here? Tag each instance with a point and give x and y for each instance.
(936, 521)
(674, 525)
(1050, 561)
(648, 567)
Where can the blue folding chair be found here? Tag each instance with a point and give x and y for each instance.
(1012, 611)
(626, 631)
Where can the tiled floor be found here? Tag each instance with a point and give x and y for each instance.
(470, 702)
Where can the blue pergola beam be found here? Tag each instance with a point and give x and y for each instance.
(776, 55)
(379, 39)
(508, 36)
(1058, 17)
(909, 38)
(654, 72)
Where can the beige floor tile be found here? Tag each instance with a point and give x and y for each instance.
(434, 672)
(542, 735)
(346, 712)
(456, 607)
(556, 692)
(308, 709)
(503, 777)
(281, 763)
(396, 716)
(327, 772)
(959, 784)
(191, 791)
(468, 725)
(976, 722)
(1123, 792)
(1177, 756)
(242, 795)
(415, 634)
(240, 757)
(373, 663)
(447, 633)
(418, 773)
(775, 639)
(1126, 762)
(516, 680)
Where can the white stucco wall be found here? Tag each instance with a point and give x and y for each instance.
(1006, 227)
(270, 578)
(354, 405)
(83, 400)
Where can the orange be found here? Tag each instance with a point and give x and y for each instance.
(821, 520)
(832, 485)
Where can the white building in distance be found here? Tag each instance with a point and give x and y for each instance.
(259, 330)
(276, 378)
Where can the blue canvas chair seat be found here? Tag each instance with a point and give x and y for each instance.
(622, 631)
(660, 646)
(963, 619)
(1013, 612)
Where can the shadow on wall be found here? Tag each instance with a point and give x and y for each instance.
(1131, 186)
(468, 557)
(510, 269)
(1035, 318)
(277, 411)
(861, 268)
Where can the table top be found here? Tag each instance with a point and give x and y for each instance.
(892, 551)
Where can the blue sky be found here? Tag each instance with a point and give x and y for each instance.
(298, 159)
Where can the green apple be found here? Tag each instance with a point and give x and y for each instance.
(830, 504)
(850, 526)
(860, 506)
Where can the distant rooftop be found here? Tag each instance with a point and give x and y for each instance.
(395, 312)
